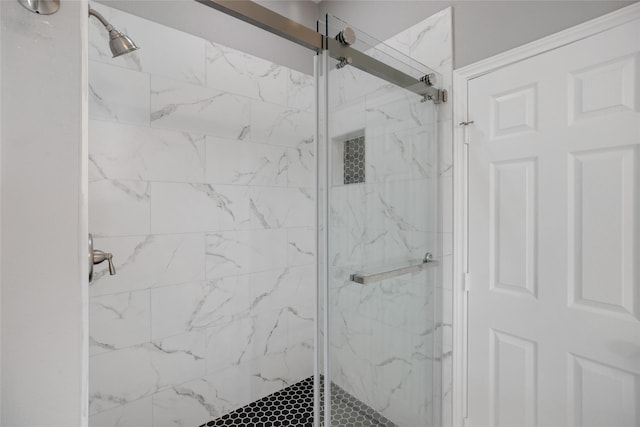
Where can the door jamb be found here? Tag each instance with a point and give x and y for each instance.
(461, 79)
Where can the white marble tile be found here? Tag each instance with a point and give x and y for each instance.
(300, 330)
(238, 162)
(300, 91)
(445, 151)
(346, 119)
(404, 306)
(237, 72)
(275, 124)
(401, 42)
(179, 358)
(273, 207)
(302, 164)
(392, 109)
(447, 272)
(269, 334)
(241, 252)
(348, 84)
(447, 306)
(388, 156)
(117, 94)
(280, 369)
(355, 298)
(447, 389)
(199, 109)
(124, 152)
(445, 222)
(424, 146)
(146, 261)
(197, 306)
(111, 374)
(431, 40)
(164, 51)
(199, 401)
(230, 344)
(289, 288)
(405, 206)
(119, 208)
(119, 321)
(153, 365)
(135, 414)
(198, 207)
(301, 246)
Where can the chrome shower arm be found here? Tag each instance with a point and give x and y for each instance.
(119, 43)
(100, 18)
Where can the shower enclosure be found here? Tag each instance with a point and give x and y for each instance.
(266, 256)
(377, 210)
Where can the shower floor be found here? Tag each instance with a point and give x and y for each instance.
(293, 406)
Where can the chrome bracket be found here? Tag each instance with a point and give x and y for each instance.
(428, 79)
(438, 97)
(262, 17)
(343, 62)
(346, 37)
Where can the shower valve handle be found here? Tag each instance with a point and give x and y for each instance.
(100, 256)
(96, 257)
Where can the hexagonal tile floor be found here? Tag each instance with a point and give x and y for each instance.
(293, 406)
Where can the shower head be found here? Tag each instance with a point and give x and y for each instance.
(119, 43)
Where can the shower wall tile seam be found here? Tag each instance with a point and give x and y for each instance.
(194, 133)
(203, 281)
(187, 233)
(204, 86)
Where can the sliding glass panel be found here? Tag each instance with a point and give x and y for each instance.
(380, 162)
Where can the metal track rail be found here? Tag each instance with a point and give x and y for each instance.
(282, 26)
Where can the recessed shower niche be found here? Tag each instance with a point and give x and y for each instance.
(349, 159)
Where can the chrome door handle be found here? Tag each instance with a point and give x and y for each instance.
(365, 279)
(97, 256)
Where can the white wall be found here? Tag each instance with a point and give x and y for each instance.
(44, 269)
(481, 28)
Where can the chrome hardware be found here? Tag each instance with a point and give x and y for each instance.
(346, 37)
(365, 279)
(41, 7)
(343, 62)
(440, 96)
(96, 257)
(119, 43)
(465, 123)
(262, 17)
(429, 79)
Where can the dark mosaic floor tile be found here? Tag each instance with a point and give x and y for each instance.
(293, 407)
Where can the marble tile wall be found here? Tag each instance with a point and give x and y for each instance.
(391, 341)
(201, 185)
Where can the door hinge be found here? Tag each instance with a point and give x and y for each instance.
(465, 130)
(467, 282)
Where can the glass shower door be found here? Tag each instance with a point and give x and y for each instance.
(377, 158)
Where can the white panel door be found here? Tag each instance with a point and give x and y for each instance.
(554, 226)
